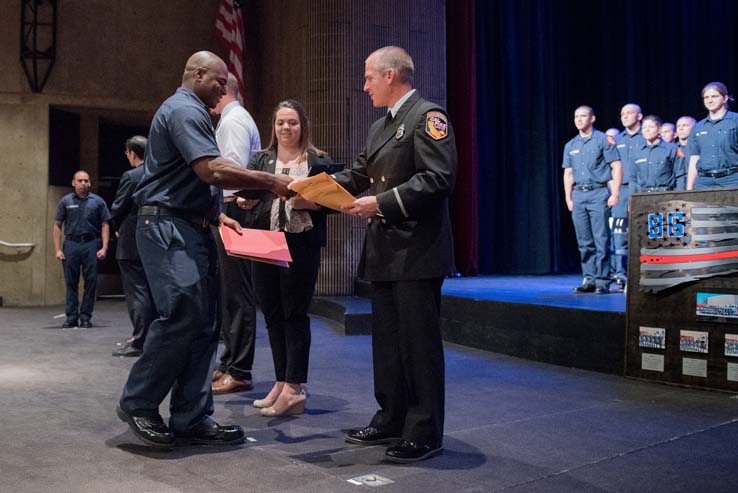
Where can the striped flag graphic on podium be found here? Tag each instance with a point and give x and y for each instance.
(685, 242)
(229, 34)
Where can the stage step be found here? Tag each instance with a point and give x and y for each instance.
(572, 337)
(353, 312)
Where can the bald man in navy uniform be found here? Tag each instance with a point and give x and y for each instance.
(178, 198)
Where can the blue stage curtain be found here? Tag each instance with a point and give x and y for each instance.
(537, 60)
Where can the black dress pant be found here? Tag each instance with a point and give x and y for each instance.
(285, 295)
(238, 306)
(140, 304)
(407, 350)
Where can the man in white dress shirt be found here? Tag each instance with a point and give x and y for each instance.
(237, 138)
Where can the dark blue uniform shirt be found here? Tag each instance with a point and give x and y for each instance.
(653, 165)
(627, 143)
(681, 165)
(82, 217)
(715, 142)
(181, 133)
(590, 158)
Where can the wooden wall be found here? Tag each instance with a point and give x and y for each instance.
(314, 51)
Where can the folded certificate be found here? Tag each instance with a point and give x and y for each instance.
(257, 244)
(324, 190)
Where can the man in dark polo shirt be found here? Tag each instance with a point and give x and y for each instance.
(85, 217)
(179, 196)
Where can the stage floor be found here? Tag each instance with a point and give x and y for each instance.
(550, 290)
(511, 424)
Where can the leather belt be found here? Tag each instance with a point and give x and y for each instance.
(657, 189)
(588, 187)
(719, 173)
(80, 238)
(158, 210)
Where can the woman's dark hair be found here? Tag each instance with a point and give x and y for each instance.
(305, 143)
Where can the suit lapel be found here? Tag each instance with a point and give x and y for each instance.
(271, 164)
(384, 135)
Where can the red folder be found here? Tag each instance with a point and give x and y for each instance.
(257, 244)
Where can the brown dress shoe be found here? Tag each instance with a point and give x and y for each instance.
(228, 385)
(217, 375)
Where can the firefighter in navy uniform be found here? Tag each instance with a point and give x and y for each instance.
(684, 127)
(629, 139)
(178, 198)
(85, 218)
(591, 163)
(713, 145)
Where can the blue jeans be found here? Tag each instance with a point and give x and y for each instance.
(180, 262)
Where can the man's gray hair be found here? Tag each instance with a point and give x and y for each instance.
(397, 59)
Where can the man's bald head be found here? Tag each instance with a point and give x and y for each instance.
(230, 96)
(232, 86)
(206, 75)
(200, 60)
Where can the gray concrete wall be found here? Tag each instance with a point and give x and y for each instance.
(111, 55)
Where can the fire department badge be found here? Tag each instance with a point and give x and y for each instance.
(400, 132)
(436, 125)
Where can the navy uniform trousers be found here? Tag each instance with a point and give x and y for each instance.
(80, 256)
(180, 261)
(703, 182)
(619, 235)
(591, 217)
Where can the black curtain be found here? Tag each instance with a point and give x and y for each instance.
(537, 60)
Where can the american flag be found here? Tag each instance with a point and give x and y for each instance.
(229, 33)
(708, 247)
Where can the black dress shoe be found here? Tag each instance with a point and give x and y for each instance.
(407, 451)
(585, 288)
(127, 350)
(370, 436)
(85, 324)
(152, 431)
(210, 433)
(601, 290)
(69, 323)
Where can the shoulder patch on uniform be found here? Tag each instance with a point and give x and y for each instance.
(680, 153)
(436, 125)
(610, 140)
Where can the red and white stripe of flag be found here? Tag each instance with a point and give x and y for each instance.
(229, 33)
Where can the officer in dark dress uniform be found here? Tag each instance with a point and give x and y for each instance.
(124, 211)
(684, 127)
(713, 145)
(177, 204)
(85, 217)
(409, 167)
(590, 161)
(653, 161)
